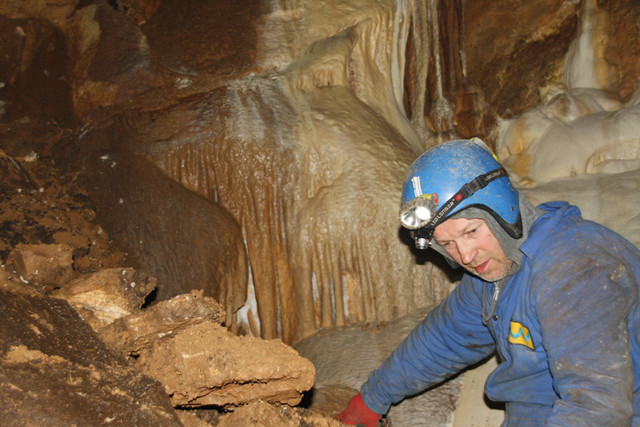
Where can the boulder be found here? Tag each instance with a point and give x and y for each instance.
(139, 331)
(207, 365)
(182, 343)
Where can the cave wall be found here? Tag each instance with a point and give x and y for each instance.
(299, 118)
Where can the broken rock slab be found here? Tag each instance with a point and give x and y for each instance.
(107, 295)
(55, 371)
(140, 330)
(182, 343)
(207, 365)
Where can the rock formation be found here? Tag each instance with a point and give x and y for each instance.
(80, 345)
(255, 150)
(294, 119)
(182, 344)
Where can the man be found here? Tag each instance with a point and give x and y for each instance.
(556, 296)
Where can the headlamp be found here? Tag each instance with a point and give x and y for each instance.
(417, 212)
(421, 217)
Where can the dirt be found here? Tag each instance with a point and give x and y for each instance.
(43, 202)
(40, 201)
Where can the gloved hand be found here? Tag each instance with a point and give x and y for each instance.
(359, 413)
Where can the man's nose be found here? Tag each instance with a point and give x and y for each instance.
(467, 252)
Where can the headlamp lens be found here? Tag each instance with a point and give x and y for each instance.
(417, 212)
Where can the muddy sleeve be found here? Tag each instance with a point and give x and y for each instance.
(448, 339)
(583, 322)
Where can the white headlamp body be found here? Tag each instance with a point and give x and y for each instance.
(417, 212)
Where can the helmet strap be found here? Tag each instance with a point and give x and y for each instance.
(425, 233)
(464, 193)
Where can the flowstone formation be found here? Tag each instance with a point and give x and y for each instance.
(308, 155)
(581, 143)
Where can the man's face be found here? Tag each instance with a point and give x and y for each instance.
(471, 244)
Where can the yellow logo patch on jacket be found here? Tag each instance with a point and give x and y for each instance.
(519, 334)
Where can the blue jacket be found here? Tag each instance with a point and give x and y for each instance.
(566, 329)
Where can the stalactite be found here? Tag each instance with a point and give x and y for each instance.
(421, 43)
(586, 65)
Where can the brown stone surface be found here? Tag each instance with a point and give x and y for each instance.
(139, 331)
(55, 371)
(206, 365)
(47, 265)
(185, 240)
(41, 206)
(192, 37)
(513, 49)
(107, 295)
(621, 44)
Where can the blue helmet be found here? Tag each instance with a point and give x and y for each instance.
(453, 176)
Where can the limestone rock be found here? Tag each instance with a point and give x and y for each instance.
(182, 343)
(44, 264)
(185, 240)
(139, 331)
(107, 295)
(55, 371)
(191, 420)
(207, 365)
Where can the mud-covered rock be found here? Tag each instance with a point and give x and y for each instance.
(139, 331)
(55, 371)
(263, 414)
(107, 295)
(206, 365)
(43, 264)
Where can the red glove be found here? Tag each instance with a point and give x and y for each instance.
(359, 413)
